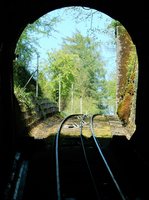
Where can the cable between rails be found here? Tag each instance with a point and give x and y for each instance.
(84, 151)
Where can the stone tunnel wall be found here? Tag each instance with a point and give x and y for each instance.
(127, 66)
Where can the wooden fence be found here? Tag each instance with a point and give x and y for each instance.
(42, 109)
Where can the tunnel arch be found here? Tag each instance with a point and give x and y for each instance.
(19, 15)
(120, 76)
(36, 10)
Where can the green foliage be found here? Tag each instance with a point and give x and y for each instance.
(111, 93)
(132, 62)
(24, 98)
(24, 80)
(78, 63)
(89, 106)
(28, 41)
(114, 24)
(61, 71)
(21, 75)
(90, 74)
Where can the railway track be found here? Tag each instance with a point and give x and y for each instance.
(69, 165)
(82, 171)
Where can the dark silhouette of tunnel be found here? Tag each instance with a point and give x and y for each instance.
(14, 17)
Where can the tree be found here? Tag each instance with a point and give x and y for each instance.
(91, 73)
(78, 63)
(28, 43)
(61, 69)
(111, 93)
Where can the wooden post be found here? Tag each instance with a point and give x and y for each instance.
(37, 75)
(59, 97)
(72, 103)
(81, 104)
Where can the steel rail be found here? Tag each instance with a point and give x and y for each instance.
(58, 187)
(104, 160)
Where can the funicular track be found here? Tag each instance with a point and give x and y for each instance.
(82, 171)
(68, 165)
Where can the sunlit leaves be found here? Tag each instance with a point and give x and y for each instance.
(78, 63)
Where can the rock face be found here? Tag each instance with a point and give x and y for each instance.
(127, 67)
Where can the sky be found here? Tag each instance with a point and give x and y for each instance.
(68, 26)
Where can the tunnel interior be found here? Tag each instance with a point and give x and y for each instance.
(12, 129)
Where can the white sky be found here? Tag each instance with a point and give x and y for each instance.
(67, 27)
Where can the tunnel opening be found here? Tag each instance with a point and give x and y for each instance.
(100, 76)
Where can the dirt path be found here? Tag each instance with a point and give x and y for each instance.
(46, 128)
(104, 126)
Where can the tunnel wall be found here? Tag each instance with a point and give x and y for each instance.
(15, 15)
(127, 79)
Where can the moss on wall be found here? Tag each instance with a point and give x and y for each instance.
(127, 77)
(124, 108)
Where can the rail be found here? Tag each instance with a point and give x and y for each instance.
(57, 156)
(104, 160)
(95, 152)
